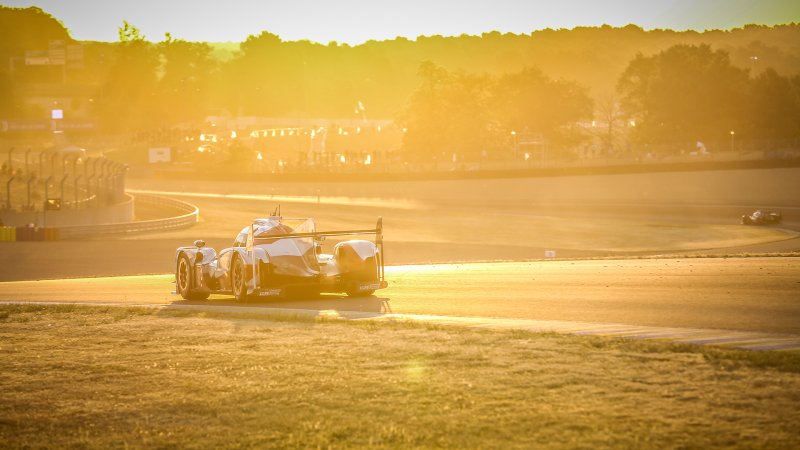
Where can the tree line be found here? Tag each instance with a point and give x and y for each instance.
(467, 94)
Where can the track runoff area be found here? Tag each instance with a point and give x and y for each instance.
(746, 303)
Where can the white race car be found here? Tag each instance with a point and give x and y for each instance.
(280, 257)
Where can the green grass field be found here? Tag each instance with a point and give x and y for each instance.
(97, 377)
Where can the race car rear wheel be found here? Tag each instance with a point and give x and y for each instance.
(238, 279)
(359, 293)
(184, 279)
(355, 292)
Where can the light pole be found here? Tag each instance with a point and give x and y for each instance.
(514, 139)
(733, 138)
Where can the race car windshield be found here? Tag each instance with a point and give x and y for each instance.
(272, 226)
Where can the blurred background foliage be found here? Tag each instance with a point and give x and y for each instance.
(471, 93)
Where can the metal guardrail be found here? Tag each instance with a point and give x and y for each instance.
(189, 214)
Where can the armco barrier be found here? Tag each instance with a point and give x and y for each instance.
(51, 234)
(8, 233)
(25, 233)
(32, 234)
(187, 215)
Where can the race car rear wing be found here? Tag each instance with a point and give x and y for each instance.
(377, 231)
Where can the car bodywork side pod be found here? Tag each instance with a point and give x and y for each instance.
(375, 248)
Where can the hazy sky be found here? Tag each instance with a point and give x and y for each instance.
(356, 21)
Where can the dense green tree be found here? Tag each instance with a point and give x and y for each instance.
(8, 104)
(775, 112)
(528, 100)
(448, 115)
(27, 29)
(129, 99)
(187, 74)
(267, 75)
(424, 118)
(684, 94)
(473, 116)
(611, 129)
(24, 30)
(682, 86)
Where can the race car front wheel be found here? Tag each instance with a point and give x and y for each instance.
(238, 280)
(184, 279)
(353, 291)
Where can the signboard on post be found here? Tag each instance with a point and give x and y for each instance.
(159, 154)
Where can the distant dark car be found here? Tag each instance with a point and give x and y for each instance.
(762, 217)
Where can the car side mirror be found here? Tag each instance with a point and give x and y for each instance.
(199, 243)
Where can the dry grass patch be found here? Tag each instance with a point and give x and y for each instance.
(118, 377)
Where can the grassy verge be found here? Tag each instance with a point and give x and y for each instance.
(124, 377)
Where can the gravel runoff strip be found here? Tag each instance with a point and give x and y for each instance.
(745, 340)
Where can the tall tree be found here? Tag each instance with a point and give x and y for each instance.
(265, 76)
(529, 100)
(27, 29)
(129, 97)
(608, 110)
(684, 94)
(775, 112)
(187, 74)
(473, 115)
(448, 115)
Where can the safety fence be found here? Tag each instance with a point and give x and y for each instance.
(186, 215)
(59, 179)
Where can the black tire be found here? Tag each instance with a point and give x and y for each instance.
(370, 274)
(356, 293)
(184, 279)
(238, 279)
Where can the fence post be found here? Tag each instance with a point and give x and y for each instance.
(31, 179)
(64, 162)
(75, 178)
(123, 175)
(8, 191)
(63, 179)
(101, 179)
(75, 191)
(53, 163)
(46, 195)
(27, 165)
(88, 178)
(41, 156)
(106, 170)
(10, 166)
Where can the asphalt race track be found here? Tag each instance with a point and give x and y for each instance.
(748, 294)
(440, 236)
(620, 216)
